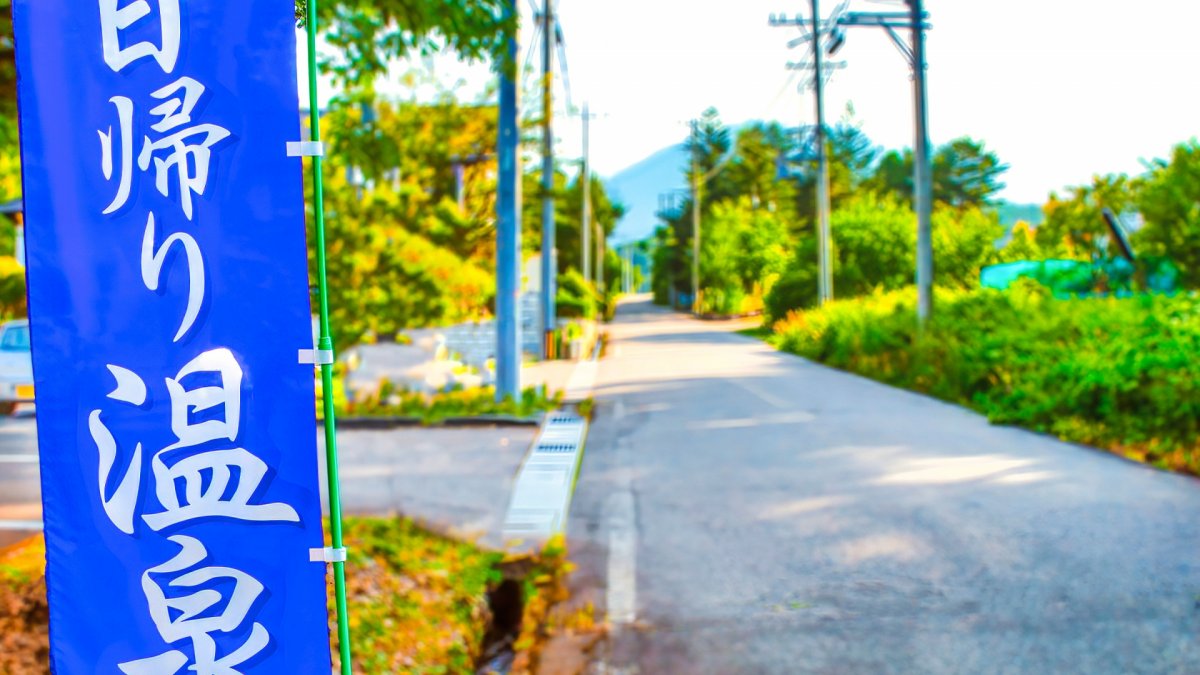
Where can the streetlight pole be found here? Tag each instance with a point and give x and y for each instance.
(924, 175)
(508, 229)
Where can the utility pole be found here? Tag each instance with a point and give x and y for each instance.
(696, 197)
(508, 229)
(549, 266)
(586, 222)
(921, 165)
(916, 21)
(813, 31)
(825, 285)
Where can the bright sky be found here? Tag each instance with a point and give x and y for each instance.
(1060, 89)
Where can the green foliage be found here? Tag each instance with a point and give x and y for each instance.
(964, 242)
(367, 35)
(874, 244)
(1022, 245)
(577, 297)
(1118, 373)
(1169, 201)
(742, 248)
(1074, 226)
(401, 252)
(965, 174)
(568, 216)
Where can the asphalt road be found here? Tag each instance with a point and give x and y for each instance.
(747, 511)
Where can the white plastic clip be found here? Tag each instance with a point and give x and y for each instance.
(316, 357)
(327, 555)
(305, 149)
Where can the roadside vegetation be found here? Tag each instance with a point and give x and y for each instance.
(1120, 374)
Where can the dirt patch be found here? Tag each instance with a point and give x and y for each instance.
(24, 615)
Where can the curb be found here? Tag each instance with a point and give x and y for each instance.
(384, 423)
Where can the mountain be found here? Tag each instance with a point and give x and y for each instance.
(638, 187)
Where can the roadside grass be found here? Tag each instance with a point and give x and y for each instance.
(419, 602)
(1115, 373)
(757, 332)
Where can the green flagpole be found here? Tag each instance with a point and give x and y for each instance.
(325, 344)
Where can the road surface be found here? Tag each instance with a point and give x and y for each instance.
(747, 511)
(20, 491)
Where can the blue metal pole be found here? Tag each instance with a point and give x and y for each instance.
(508, 231)
(549, 266)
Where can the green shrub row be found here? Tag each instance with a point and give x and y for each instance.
(1116, 373)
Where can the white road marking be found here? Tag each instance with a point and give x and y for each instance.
(621, 595)
(18, 459)
(764, 395)
(20, 525)
(621, 513)
(749, 422)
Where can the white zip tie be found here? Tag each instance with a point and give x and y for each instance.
(305, 149)
(327, 555)
(315, 357)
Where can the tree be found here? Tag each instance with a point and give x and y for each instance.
(1022, 245)
(743, 250)
(965, 174)
(964, 242)
(851, 155)
(754, 168)
(367, 34)
(874, 245)
(1169, 201)
(708, 143)
(1074, 226)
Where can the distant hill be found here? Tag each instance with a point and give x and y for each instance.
(638, 187)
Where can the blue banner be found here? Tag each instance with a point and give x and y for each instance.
(168, 298)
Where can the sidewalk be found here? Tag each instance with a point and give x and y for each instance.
(453, 480)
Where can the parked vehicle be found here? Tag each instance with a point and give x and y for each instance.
(16, 366)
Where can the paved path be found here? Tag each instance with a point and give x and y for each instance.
(457, 481)
(751, 512)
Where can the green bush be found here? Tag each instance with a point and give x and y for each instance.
(874, 248)
(1117, 373)
(577, 297)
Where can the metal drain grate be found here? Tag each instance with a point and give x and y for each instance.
(542, 493)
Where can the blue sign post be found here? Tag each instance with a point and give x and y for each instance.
(168, 296)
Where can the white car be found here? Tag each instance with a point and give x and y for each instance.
(16, 366)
